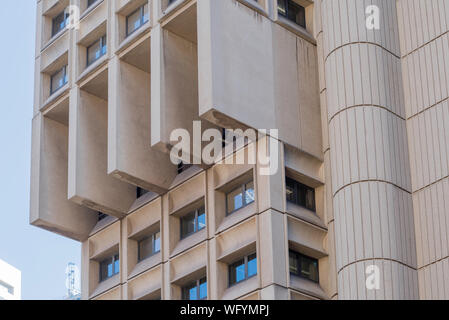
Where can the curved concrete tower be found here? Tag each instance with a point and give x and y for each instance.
(362, 90)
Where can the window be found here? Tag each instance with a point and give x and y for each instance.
(102, 216)
(59, 22)
(149, 246)
(58, 80)
(183, 167)
(90, 2)
(300, 194)
(243, 269)
(136, 19)
(140, 192)
(109, 267)
(240, 197)
(196, 290)
(193, 222)
(292, 11)
(303, 266)
(96, 50)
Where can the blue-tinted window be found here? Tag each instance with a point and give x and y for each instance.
(59, 22)
(96, 50)
(243, 269)
(149, 246)
(196, 290)
(109, 267)
(240, 197)
(136, 19)
(193, 222)
(58, 79)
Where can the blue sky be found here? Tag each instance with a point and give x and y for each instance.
(40, 255)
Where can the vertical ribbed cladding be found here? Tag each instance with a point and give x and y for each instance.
(361, 89)
(423, 29)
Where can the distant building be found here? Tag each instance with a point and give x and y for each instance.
(72, 282)
(10, 282)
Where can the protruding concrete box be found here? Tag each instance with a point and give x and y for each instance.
(255, 73)
(174, 80)
(89, 183)
(130, 156)
(49, 207)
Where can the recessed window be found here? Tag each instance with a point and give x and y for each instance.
(109, 267)
(193, 222)
(136, 19)
(292, 11)
(304, 266)
(96, 50)
(243, 269)
(59, 22)
(149, 246)
(300, 194)
(196, 290)
(58, 79)
(240, 197)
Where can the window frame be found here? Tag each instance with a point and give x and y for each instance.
(115, 258)
(245, 263)
(197, 285)
(196, 222)
(286, 4)
(142, 20)
(243, 190)
(103, 43)
(298, 184)
(65, 77)
(298, 257)
(66, 16)
(153, 246)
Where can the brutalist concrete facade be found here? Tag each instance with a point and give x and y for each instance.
(362, 115)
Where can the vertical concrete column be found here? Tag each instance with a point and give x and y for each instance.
(373, 215)
(272, 239)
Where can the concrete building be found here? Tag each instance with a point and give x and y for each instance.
(10, 282)
(358, 91)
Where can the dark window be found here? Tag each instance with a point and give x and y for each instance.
(58, 80)
(292, 11)
(96, 50)
(196, 290)
(193, 222)
(304, 266)
(109, 267)
(300, 194)
(149, 246)
(140, 192)
(90, 2)
(136, 19)
(59, 22)
(243, 269)
(240, 197)
(183, 167)
(101, 216)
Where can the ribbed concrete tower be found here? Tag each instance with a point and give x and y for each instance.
(369, 160)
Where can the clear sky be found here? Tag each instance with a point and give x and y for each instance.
(40, 255)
